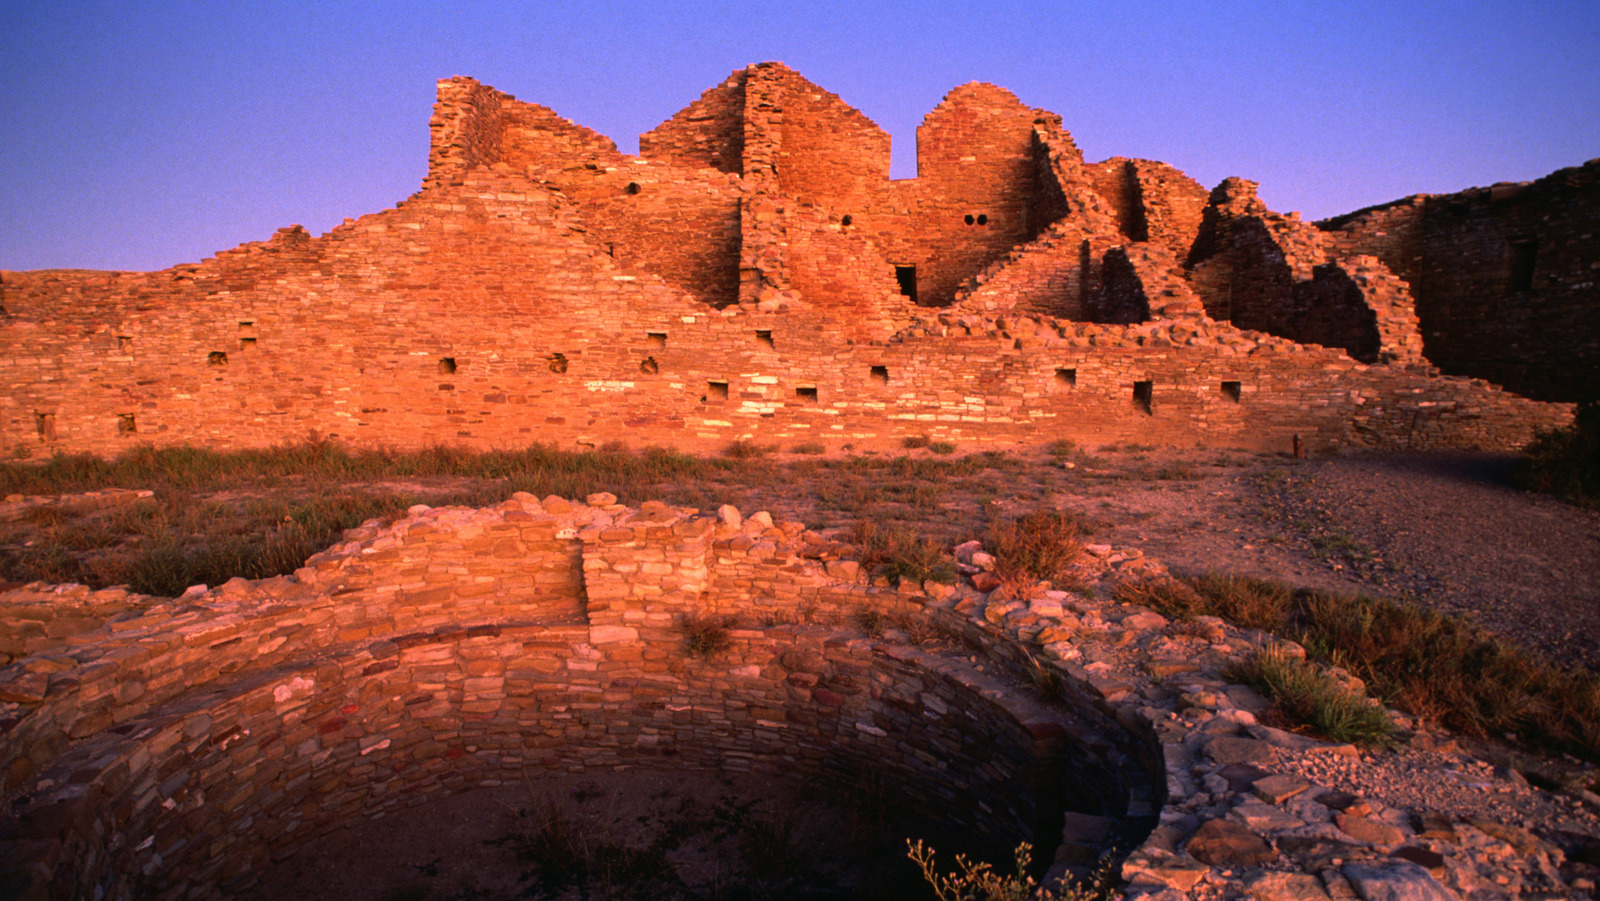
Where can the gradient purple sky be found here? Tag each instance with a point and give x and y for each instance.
(141, 136)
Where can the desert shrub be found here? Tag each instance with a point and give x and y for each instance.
(1036, 545)
(1309, 696)
(705, 636)
(942, 447)
(1566, 462)
(746, 450)
(903, 554)
(809, 447)
(972, 881)
(912, 442)
(871, 621)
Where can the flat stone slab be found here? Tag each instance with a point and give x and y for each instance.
(1396, 880)
(1222, 843)
(1278, 788)
(1230, 749)
(1285, 887)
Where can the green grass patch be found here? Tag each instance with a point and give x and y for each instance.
(1307, 695)
(1443, 668)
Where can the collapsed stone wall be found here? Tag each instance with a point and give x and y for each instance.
(764, 281)
(1505, 279)
(1259, 270)
(179, 752)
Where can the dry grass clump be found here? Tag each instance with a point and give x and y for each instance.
(978, 881)
(1243, 601)
(1036, 546)
(747, 450)
(1439, 667)
(1452, 671)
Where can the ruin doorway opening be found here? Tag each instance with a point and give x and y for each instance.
(907, 277)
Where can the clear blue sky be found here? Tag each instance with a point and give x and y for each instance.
(137, 136)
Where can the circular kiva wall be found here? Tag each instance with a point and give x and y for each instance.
(180, 751)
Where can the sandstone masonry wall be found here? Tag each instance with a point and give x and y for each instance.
(763, 282)
(178, 753)
(1506, 278)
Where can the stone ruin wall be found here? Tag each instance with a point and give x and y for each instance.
(1506, 278)
(180, 750)
(739, 281)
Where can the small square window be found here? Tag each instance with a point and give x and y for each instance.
(764, 336)
(1144, 394)
(656, 339)
(880, 374)
(1232, 391)
(806, 395)
(1066, 378)
(716, 391)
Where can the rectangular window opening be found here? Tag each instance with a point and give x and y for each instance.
(1144, 396)
(806, 395)
(217, 358)
(764, 336)
(656, 339)
(1232, 391)
(880, 374)
(1066, 378)
(447, 365)
(907, 277)
(557, 363)
(45, 425)
(126, 424)
(1524, 254)
(716, 391)
(247, 343)
(125, 344)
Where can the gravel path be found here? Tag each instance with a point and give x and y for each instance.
(1445, 530)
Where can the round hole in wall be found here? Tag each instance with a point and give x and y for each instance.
(633, 187)
(845, 220)
(983, 219)
(969, 218)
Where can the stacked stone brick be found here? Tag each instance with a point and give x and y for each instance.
(756, 274)
(184, 747)
(180, 751)
(1506, 279)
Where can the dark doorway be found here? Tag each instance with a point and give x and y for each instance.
(907, 277)
(1144, 394)
(1524, 253)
